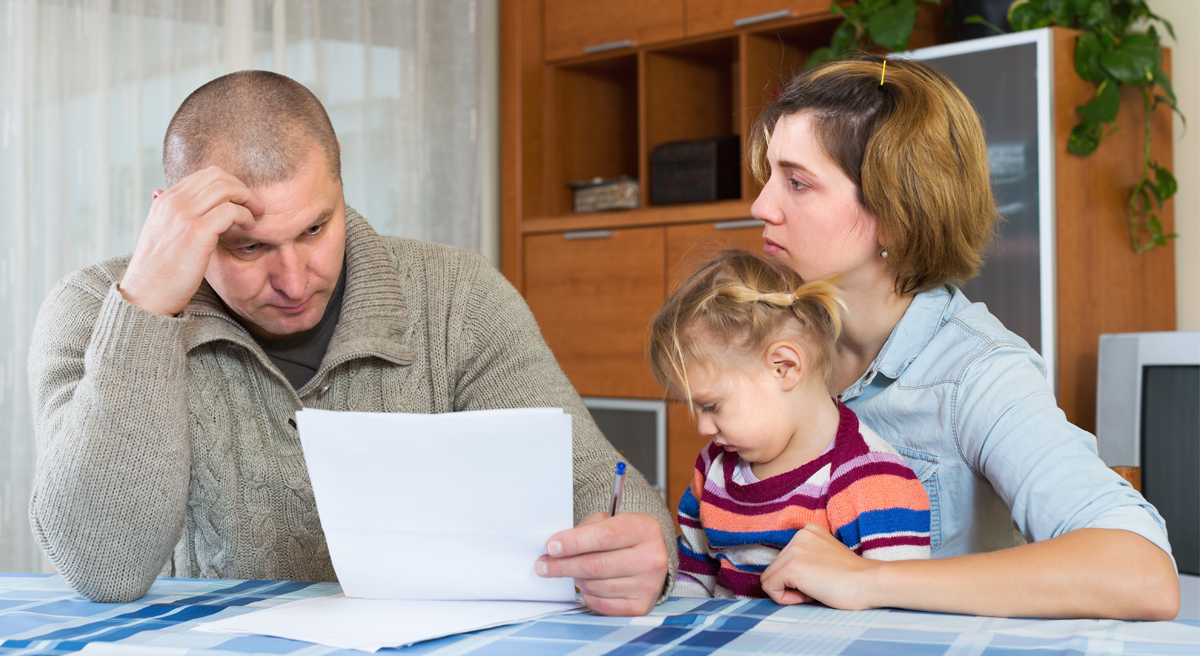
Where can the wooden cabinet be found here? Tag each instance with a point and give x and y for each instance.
(689, 73)
(707, 16)
(593, 294)
(579, 27)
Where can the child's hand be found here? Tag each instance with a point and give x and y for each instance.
(619, 563)
(814, 565)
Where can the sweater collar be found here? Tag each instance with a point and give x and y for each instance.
(373, 321)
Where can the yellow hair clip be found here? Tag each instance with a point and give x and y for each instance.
(883, 73)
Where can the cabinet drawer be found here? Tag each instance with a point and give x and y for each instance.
(594, 294)
(690, 246)
(704, 16)
(577, 27)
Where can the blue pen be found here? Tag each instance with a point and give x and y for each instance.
(618, 488)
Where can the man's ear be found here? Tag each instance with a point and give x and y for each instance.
(157, 193)
(786, 360)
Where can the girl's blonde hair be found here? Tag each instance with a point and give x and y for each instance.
(739, 303)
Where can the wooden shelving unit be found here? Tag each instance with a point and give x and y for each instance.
(670, 70)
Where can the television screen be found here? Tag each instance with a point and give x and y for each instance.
(1171, 455)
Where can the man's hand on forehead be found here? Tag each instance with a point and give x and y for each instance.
(180, 234)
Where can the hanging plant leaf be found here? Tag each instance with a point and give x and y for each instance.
(1088, 50)
(1104, 107)
(844, 38)
(1163, 81)
(1085, 138)
(1166, 23)
(1062, 11)
(892, 27)
(1165, 184)
(1096, 14)
(1134, 59)
(1025, 15)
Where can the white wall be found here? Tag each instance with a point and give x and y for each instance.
(1185, 76)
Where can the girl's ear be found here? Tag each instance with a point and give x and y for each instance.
(787, 364)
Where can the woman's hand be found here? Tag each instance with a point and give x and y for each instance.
(814, 565)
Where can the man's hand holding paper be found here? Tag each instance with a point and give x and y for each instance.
(618, 563)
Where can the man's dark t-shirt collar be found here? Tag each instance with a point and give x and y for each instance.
(299, 356)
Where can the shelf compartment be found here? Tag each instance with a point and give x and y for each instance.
(691, 92)
(593, 110)
(773, 56)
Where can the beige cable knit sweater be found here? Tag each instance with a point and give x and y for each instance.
(168, 445)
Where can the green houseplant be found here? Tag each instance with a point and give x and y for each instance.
(1109, 52)
(869, 24)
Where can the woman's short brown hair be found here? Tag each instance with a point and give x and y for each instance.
(913, 146)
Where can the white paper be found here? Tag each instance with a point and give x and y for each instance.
(454, 506)
(372, 624)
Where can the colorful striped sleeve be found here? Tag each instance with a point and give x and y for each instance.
(697, 568)
(878, 508)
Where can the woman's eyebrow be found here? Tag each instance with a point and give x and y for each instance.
(785, 164)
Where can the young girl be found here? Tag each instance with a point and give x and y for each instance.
(748, 345)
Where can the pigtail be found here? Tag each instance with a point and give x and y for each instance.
(820, 302)
(738, 302)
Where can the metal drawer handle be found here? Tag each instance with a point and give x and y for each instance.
(588, 234)
(611, 45)
(741, 223)
(762, 18)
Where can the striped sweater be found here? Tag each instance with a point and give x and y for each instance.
(733, 525)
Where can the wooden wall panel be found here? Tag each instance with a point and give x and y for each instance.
(1103, 286)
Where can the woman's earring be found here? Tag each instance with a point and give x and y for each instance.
(884, 253)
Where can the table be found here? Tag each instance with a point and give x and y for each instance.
(39, 614)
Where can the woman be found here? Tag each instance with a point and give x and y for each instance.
(888, 185)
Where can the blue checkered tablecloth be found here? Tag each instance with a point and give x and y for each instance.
(39, 614)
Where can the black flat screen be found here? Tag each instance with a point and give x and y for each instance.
(1171, 456)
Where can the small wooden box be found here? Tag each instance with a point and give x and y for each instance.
(599, 194)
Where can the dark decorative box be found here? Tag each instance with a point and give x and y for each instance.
(696, 171)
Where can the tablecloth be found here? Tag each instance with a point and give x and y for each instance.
(39, 614)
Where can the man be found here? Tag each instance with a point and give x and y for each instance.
(165, 382)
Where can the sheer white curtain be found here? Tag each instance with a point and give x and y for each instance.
(87, 88)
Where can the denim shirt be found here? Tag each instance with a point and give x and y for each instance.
(967, 403)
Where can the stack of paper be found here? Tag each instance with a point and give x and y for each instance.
(453, 507)
(373, 624)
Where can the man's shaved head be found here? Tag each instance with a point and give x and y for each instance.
(259, 126)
